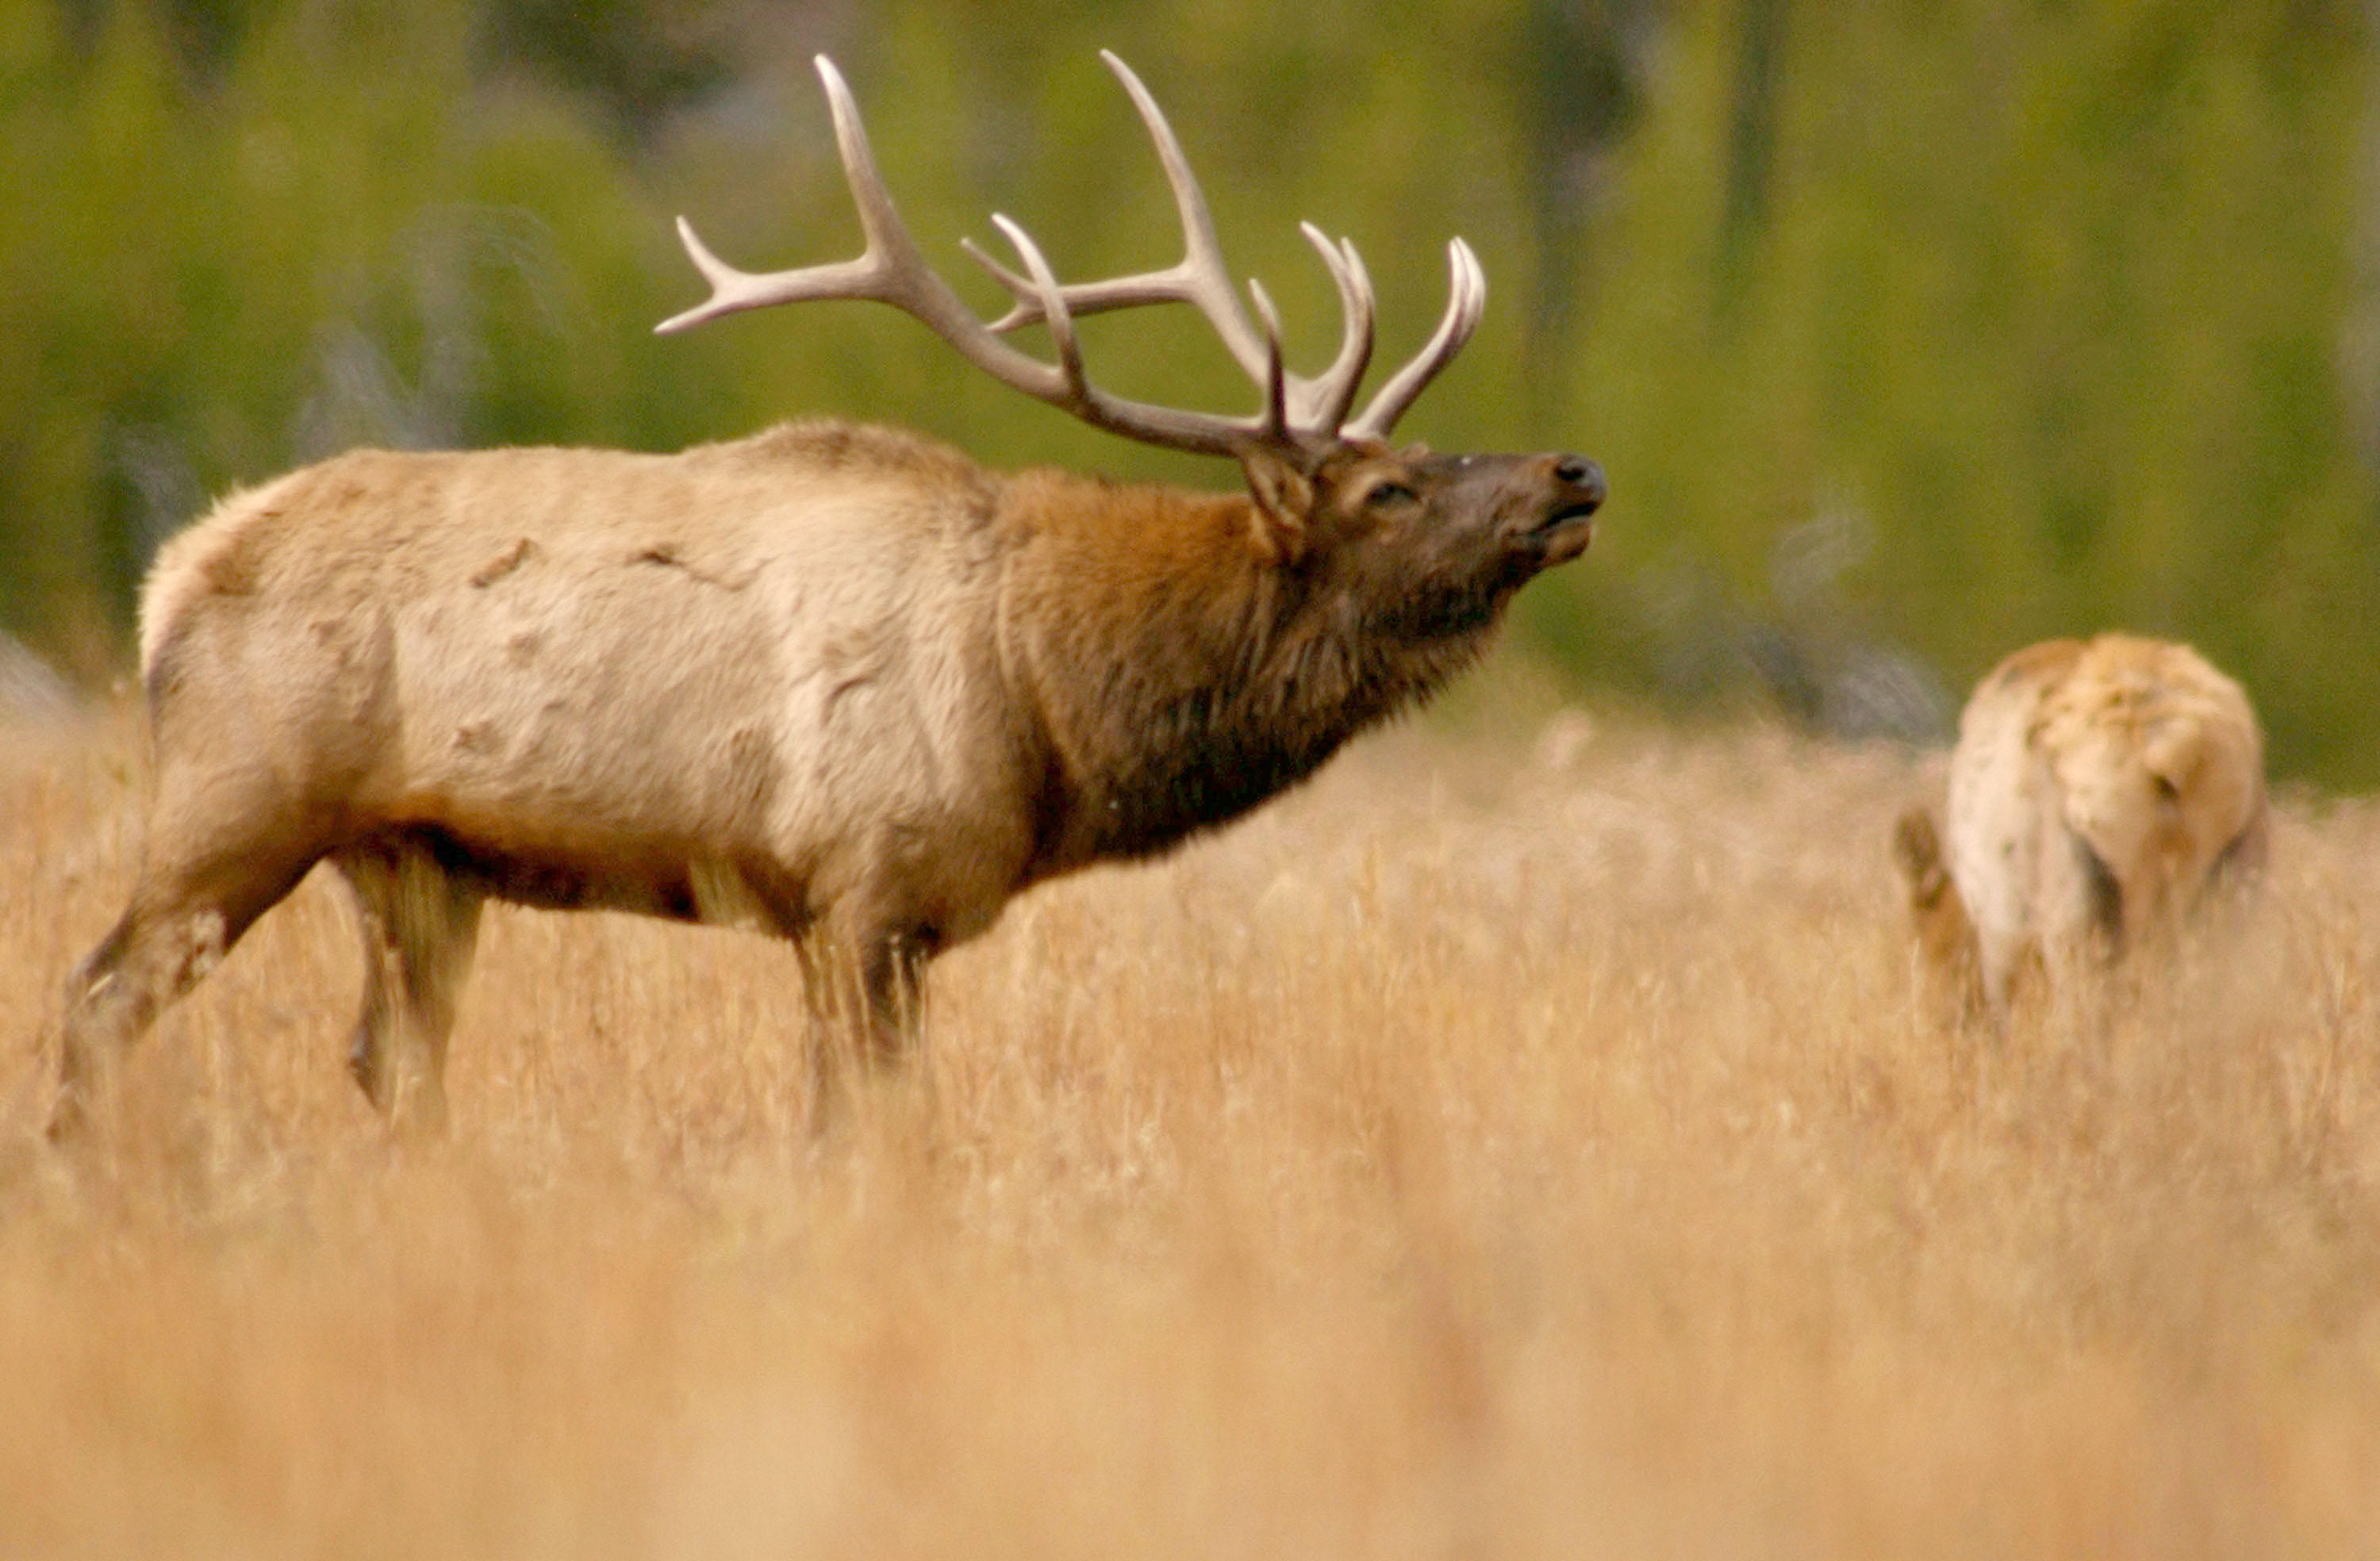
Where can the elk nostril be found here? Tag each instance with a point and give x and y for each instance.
(1577, 471)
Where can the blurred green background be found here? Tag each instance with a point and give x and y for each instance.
(1909, 332)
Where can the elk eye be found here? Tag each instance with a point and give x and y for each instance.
(1391, 495)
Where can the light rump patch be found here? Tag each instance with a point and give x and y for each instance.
(2097, 789)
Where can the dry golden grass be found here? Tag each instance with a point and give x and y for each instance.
(1482, 1154)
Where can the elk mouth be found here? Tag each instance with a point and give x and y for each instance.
(1565, 533)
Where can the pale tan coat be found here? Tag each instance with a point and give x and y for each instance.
(722, 650)
(2095, 789)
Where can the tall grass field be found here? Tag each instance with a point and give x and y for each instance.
(1497, 1148)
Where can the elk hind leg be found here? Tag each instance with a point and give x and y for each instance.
(1946, 936)
(185, 914)
(420, 928)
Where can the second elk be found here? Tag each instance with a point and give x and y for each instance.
(2097, 791)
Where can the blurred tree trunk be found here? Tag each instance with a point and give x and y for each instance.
(1580, 69)
(1751, 141)
(2359, 356)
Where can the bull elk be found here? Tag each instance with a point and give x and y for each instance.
(2096, 790)
(837, 683)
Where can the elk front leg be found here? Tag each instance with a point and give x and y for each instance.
(420, 928)
(865, 996)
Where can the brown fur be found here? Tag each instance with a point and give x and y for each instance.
(1946, 939)
(2098, 788)
(837, 683)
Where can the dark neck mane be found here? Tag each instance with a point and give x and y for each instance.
(1182, 681)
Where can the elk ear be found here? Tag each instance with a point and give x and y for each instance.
(1283, 499)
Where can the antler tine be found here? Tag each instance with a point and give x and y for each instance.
(1276, 380)
(1323, 402)
(874, 275)
(888, 269)
(1467, 299)
(1054, 307)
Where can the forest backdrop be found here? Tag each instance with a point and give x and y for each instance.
(1908, 333)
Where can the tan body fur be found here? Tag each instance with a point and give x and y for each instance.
(835, 682)
(2096, 788)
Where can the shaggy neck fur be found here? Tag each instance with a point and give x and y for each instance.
(1179, 676)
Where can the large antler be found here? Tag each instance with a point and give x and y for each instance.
(1298, 412)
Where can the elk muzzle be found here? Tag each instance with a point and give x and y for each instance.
(1541, 507)
(1578, 490)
